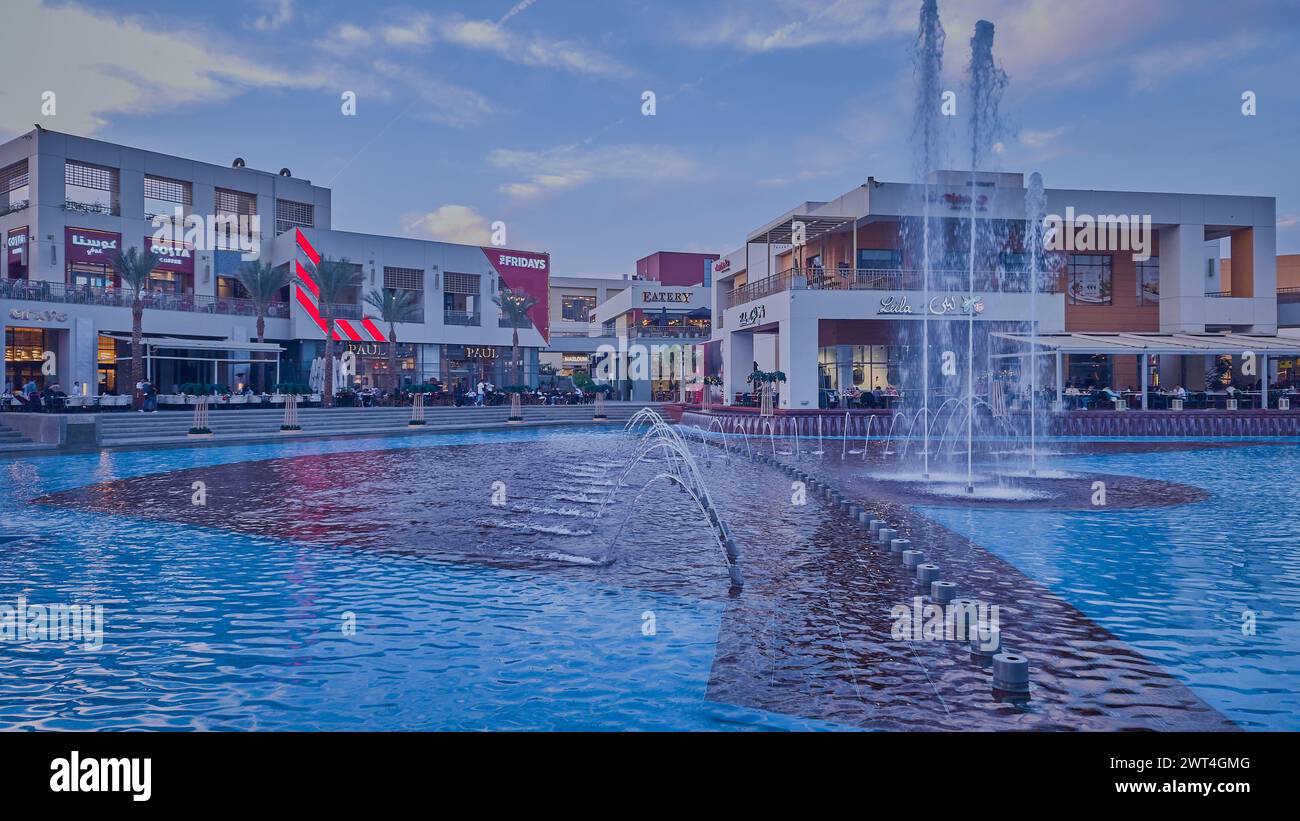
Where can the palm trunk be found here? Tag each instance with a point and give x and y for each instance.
(137, 361)
(327, 397)
(514, 352)
(392, 358)
(261, 337)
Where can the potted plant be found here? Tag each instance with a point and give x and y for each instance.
(706, 392)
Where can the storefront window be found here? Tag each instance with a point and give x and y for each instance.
(1148, 281)
(880, 259)
(869, 367)
(577, 308)
(1088, 371)
(24, 352)
(1090, 279)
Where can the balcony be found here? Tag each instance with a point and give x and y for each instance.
(14, 207)
(878, 279)
(470, 318)
(92, 208)
(57, 293)
(672, 332)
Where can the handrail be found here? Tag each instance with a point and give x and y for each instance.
(59, 293)
(883, 279)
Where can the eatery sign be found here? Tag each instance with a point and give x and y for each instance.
(16, 252)
(172, 256)
(665, 296)
(38, 316)
(90, 246)
(942, 305)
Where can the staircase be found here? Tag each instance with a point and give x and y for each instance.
(11, 441)
(132, 429)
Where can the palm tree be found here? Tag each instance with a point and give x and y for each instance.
(515, 305)
(263, 283)
(133, 268)
(335, 280)
(395, 305)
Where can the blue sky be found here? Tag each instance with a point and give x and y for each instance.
(530, 112)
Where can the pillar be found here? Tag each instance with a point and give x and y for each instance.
(738, 363)
(797, 357)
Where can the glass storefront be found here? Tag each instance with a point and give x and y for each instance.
(865, 367)
(24, 352)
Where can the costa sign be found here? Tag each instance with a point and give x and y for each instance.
(90, 246)
(16, 253)
(172, 256)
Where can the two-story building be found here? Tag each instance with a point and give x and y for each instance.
(68, 204)
(837, 294)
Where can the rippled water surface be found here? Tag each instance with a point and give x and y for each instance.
(477, 571)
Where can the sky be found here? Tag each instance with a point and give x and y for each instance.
(531, 111)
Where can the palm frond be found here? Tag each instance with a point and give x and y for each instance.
(263, 282)
(133, 267)
(394, 304)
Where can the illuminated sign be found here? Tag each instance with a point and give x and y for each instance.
(943, 305)
(753, 316)
(38, 316)
(666, 296)
(480, 352)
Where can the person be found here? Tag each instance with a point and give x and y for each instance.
(150, 397)
(30, 390)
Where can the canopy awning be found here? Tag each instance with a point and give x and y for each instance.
(782, 233)
(202, 344)
(1176, 344)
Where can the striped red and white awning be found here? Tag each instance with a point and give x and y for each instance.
(308, 295)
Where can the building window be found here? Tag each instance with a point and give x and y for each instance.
(1148, 281)
(872, 367)
(460, 299)
(90, 189)
(235, 211)
(577, 308)
(290, 214)
(1090, 279)
(14, 191)
(404, 279)
(163, 195)
(880, 259)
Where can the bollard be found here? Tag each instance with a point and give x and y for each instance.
(897, 546)
(733, 552)
(1010, 673)
(911, 558)
(926, 574)
(884, 535)
(966, 620)
(876, 524)
(942, 592)
(737, 581)
(864, 517)
(985, 643)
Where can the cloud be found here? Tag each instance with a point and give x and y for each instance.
(105, 66)
(450, 223)
(561, 169)
(422, 29)
(1288, 221)
(1154, 66)
(278, 12)
(443, 101)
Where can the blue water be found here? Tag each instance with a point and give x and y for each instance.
(209, 629)
(1181, 584)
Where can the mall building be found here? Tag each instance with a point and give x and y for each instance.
(68, 204)
(832, 293)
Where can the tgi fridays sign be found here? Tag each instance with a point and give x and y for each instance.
(529, 272)
(16, 253)
(172, 256)
(89, 246)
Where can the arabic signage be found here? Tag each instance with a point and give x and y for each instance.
(38, 316)
(942, 305)
(753, 316)
(89, 246)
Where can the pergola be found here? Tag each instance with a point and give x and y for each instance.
(152, 344)
(1146, 345)
(815, 226)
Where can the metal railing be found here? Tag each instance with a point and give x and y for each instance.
(882, 279)
(92, 208)
(1288, 295)
(59, 293)
(654, 332)
(460, 318)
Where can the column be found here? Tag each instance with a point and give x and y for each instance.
(1143, 375)
(1182, 279)
(737, 363)
(796, 355)
(1060, 380)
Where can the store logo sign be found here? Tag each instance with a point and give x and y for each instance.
(480, 353)
(92, 246)
(753, 316)
(666, 296)
(949, 305)
(522, 262)
(38, 316)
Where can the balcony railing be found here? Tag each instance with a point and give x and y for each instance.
(92, 208)
(1288, 294)
(14, 207)
(678, 332)
(460, 317)
(880, 279)
(58, 293)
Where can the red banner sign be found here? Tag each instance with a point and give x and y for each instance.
(172, 256)
(529, 272)
(90, 246)
(16, 253)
